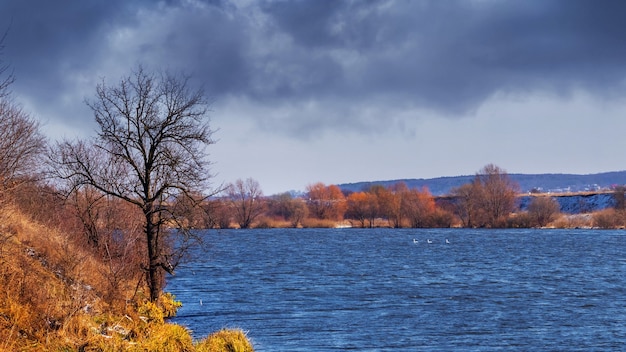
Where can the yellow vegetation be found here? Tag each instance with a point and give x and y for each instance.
(225, 341)
(51, 299)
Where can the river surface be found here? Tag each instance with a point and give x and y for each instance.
(377, 290)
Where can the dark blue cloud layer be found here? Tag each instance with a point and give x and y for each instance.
(444, 55)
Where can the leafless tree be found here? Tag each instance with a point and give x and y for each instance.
(543, 209)
(487, 200)
(150, 149)
(499, 194)
(245, 198)
(6, 77)
(467, 204)
(289, 208)
(21, 142)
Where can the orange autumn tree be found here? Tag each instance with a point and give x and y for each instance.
(419, 207)
(326, 202)
(392, 203)
(363, 207)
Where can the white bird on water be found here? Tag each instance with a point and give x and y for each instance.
(415, 241)
(429, 241)
(447, 242)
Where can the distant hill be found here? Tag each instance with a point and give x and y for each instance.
(555, 183)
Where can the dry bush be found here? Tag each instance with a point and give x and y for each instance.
(441, 218)
(520, 220)
(217, 214)
(225, 341)
(265, 222)
(51, 287)
(543, 210)
(40, 203)
(45, 280)
(166, 338)
(609, 219)
(570, 221)
(318, 223)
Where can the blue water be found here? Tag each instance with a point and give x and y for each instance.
(375, 290)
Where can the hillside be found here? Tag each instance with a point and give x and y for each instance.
(57, 296)
(554, 183)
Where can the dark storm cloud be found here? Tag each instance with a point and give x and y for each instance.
(45, 38)
(337, 55)
(52, 48)
(453, 55)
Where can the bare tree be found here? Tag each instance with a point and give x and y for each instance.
(542, 210)
(499, 194)
(6, 77)
(150, 149)
(467, 204)
(21, 142)
(289, 208)
(216, 213)
(245, 198)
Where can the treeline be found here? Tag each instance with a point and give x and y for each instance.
(486, 202)
(489, 201)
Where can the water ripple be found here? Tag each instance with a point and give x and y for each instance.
(375, 290)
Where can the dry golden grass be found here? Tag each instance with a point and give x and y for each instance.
(609, 219)
(225, 341)
(319, 223)
(567, 221)
(51, 298)
(271, 223)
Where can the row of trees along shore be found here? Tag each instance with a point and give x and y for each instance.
(491, 200)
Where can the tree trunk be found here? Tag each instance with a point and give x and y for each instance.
(153, 255)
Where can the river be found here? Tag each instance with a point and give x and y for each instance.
(392, 290)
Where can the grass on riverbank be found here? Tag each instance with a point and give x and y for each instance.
(53, 297)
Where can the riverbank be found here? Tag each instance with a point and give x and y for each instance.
(56, 296)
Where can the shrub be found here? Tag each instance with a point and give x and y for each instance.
(608, 219)
(169, 304)
(520, 220)
(573, 221)
(441, 218)
(319, 223)
(167, 338)
(150, 313)
(271, 223)
(543, 210)
(225, 341)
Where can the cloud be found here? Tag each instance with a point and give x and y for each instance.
(305, 67)
(450, 57)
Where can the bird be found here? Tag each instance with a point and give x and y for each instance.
(448, 242)
(200, 302)
(429, 241)
(415, 241)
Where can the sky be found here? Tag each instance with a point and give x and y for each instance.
(340, 91)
